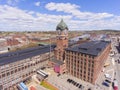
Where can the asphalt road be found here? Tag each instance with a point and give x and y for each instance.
(117, 76)
(116, 66)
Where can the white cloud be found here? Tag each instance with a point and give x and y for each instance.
(13, 18)
(74, 10)
(65, 7)
(12, 2)
(37, 4)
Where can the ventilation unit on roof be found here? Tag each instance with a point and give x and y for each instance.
(99, 49)
(83, 48)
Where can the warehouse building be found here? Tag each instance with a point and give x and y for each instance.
(85, 61)
(16, 67)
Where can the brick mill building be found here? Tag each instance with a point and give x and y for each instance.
(15, 67)
(84, 61)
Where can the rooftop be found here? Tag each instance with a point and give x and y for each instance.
(23, 54)
(58, 62)
(91, 48)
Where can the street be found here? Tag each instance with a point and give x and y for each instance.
(116, 57)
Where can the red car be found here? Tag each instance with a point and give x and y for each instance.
(115, 88)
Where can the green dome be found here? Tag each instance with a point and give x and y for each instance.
(61, 26)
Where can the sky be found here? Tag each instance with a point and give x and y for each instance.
(44, 15)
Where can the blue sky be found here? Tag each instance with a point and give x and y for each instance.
(44, 15)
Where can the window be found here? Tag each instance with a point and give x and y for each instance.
(92, 70)
(8, 73)
(91, 79)
(92, 65)
(81, 71)
(81, 62)
(81, 54)
(84, 76)
(89, 56)
(89, 60)
(81, 66)
(84, 72)
(11, 72)
(88, 69)
(85, 68)
(92, 74)
(88, 73)
(3, 75)
(84, 63)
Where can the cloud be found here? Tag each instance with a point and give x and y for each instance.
(12, 2)
(65, 7)
(37, 4)
(74, 10)
(15, 19)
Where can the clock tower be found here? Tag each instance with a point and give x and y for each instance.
(62, 40)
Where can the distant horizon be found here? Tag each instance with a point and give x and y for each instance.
(18, 15)
(69, 30)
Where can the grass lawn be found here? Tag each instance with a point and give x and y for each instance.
(48, 85)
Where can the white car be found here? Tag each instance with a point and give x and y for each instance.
(108, 76)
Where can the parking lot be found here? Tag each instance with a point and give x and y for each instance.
(62, 82)
(102, 82)
(68, 82)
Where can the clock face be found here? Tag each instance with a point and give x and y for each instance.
(65, 32)
(59, 32)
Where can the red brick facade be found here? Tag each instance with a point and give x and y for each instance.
(62, 43)
(84, 66)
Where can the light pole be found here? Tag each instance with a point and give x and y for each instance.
(50, 46)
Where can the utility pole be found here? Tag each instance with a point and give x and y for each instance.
(50, 45)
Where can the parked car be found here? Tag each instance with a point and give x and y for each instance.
(105, 84)
(58, 75)
(115, 88)
(115, 84)
(118, 61)
(74, 83)
(89, 89)
(108, 76)
(77, 84)
(68, 80)
(108, 81)
(80, 86)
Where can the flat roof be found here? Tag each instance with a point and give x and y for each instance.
(58, 62)
(11, 57)
(91, 48)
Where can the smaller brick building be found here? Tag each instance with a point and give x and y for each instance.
(58, 65)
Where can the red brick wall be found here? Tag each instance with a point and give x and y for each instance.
(86, 67)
